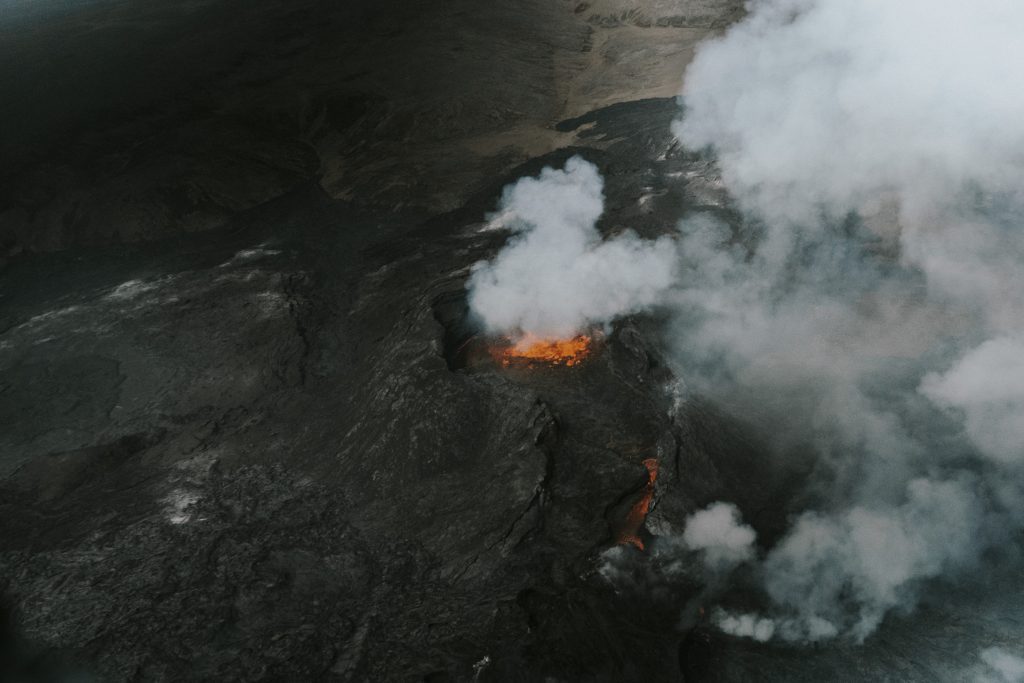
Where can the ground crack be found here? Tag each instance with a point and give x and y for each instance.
(292, 286)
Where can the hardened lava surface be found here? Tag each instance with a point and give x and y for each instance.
(255, 453)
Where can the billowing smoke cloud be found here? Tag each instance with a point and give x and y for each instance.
(557, 277)
(871, 556)
(870, 311)
(719, 533)
(987, 385)
(999, 666)
(743, 625)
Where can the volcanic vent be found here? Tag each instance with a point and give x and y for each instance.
(557, 281)
(465, 346)
(530, 350)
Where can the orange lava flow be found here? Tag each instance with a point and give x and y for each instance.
(638, 513)
(532, 349)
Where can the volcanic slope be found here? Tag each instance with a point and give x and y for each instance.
(254, 453)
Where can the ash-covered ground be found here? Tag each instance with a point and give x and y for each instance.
(244, 433)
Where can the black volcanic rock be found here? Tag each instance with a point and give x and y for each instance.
(244, 455)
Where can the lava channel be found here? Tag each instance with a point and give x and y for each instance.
(630, 532)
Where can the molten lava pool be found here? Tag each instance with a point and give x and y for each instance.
(533, 350)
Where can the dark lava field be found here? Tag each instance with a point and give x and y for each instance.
(248, 428)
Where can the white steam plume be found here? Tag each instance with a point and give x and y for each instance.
(987, 385)
(873, 313)
(556, 277)
(719, 533)
(743, 625)
(999, 666)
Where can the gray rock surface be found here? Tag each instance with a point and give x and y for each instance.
(133, 121)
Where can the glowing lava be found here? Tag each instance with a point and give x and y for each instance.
(530, 350)
(630, 532)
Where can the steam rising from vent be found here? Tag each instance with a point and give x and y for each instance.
(871, 312)
(556, 277)
(744, 625)
(719, 533)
